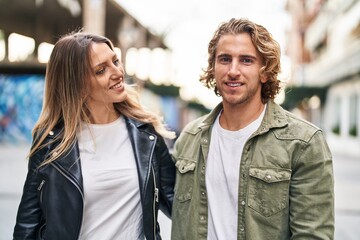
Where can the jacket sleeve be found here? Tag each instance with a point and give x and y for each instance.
(167, 179)
(312, 192)
(29, 212)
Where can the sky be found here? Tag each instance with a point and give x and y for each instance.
(188, 25)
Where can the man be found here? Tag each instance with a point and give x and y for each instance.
(250, 169)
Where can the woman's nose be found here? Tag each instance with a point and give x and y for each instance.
(118, 69)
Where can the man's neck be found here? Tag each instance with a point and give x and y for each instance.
(236, 117)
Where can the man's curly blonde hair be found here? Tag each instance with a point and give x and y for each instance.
(264, 43)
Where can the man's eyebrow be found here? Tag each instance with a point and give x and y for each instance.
(223, 54)
(243, 55)
(248, 56)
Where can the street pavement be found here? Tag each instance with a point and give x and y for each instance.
(13, 167)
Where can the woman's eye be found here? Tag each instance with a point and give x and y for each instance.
(117, 62)
(100, 71)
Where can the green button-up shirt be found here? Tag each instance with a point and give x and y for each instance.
(286, 188)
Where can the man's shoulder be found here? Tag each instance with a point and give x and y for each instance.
(195, 125)
(297, 127)
(204, 121)
(295, 120)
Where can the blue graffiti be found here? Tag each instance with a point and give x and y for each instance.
(21, 99)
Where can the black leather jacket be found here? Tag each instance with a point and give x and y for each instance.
(52, 203)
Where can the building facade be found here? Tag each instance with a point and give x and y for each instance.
(324, 47)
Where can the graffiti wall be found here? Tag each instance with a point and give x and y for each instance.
(20, 105)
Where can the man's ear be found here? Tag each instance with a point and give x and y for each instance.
(263, 78)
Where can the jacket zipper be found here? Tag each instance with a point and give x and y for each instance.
(156, 199)
(78, 188)
(40, 189)
(41, 229)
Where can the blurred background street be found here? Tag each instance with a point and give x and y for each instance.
(163, 46)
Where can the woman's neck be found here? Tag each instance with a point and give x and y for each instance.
(103, 119)
(103, 115)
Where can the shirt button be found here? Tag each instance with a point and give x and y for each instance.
(51, 133)
(268, 177)
(151, 138)
(203, 193)
(242, 228)
(243, 203)
(202, 218)
(205, 140)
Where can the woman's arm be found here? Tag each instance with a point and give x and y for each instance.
(29, 212)
(167, 175)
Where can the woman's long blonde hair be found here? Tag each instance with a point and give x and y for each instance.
(66, 87)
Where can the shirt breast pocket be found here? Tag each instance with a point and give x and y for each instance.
(184, 179)
(268, 189)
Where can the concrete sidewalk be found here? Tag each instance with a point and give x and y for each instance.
(347, 196)
(13, 168)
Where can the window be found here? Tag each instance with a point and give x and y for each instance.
(336, 124)
(354, 108)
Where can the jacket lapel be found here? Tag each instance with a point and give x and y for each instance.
(70, 164)
(143, 143)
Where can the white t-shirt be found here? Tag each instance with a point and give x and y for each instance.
(222, 178)
(112, 207)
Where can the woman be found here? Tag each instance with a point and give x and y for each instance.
(98, 167)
